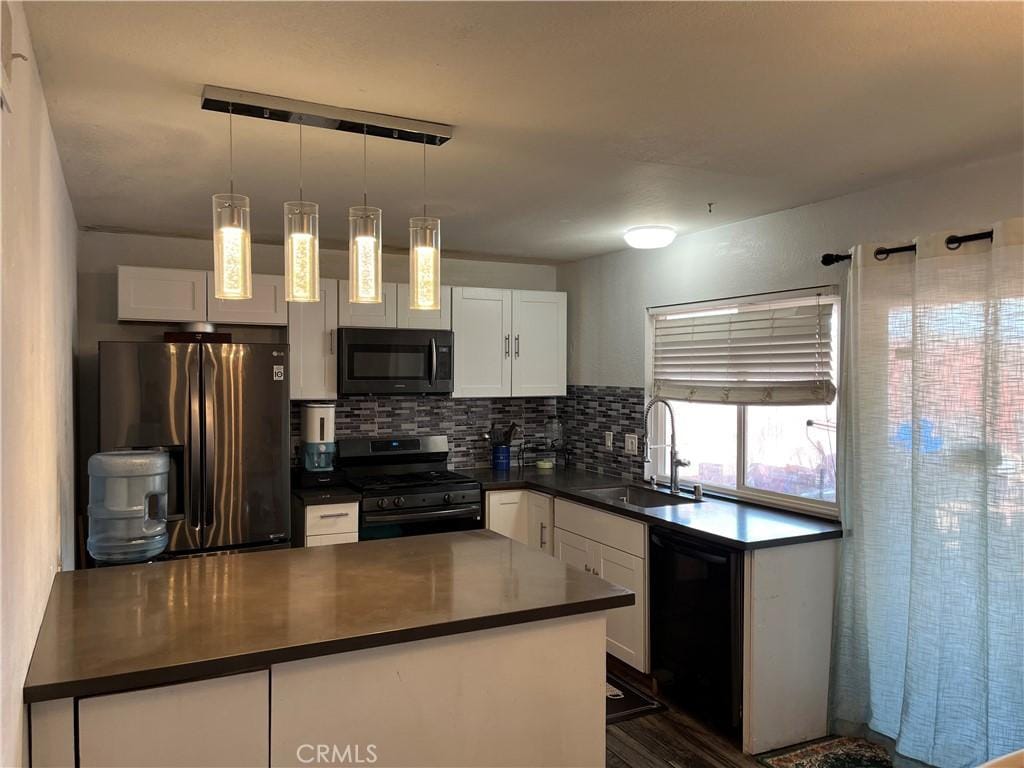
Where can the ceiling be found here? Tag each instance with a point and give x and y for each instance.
(573, 121)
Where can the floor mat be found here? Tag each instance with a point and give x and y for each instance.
(833, 752)
(622, 701)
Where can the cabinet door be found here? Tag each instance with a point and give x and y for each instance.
(538, 343)
(170, 295)
(266, 307)
(312, 350)
(218, 722)
(431, 319)
(541, 521)
(383, 315)
(482, 323)
(575, 550)
(627, 636)
(507, 514)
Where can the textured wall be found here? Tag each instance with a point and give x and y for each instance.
(608, 294)
(37, 318)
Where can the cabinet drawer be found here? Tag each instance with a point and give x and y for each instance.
(331, 538)
(332, 518)
(627, 535)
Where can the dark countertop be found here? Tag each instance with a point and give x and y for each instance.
(737, 525)
(114, 629)
(328, 495)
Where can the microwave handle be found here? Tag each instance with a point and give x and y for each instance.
(433, 360)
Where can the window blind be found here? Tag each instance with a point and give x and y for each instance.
(776, 351)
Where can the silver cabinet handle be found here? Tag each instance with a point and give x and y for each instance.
(542, 527)
(330, 336)
(517, 345)
(333, 514)
(507, 337)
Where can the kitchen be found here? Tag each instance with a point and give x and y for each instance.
(614, 426)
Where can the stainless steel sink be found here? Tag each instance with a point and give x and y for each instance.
(636, 495)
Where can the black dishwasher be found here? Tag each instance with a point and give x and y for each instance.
(696, 627)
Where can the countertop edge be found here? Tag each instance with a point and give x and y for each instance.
(256, 660)
(581, 498)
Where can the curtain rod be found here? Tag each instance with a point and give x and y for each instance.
(881, 254)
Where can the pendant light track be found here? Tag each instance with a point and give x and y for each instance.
(279, 109)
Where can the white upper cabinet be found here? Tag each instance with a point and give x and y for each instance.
(435, 319)
(538, 343)
(312, 345)
(266, 307)
(170, 295)
(482, 322)
(508, 343)
(383, 315)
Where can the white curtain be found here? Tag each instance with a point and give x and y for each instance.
(929, 643)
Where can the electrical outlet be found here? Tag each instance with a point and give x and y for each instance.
(631, 445)
(609, 440)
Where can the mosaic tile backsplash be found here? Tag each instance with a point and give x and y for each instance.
(586, 413)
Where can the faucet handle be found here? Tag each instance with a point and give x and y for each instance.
(681, 462)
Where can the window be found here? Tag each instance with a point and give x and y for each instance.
(781, 348)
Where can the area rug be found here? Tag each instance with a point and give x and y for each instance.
(622, 701)
(833, 752)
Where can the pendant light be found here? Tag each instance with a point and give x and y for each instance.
(424, 254)
(232, 249)
(301, 245)
(364, 286)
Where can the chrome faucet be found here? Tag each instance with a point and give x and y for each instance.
(674, 461)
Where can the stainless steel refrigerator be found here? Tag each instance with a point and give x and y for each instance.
(221, 411)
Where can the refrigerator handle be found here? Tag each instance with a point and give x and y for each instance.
(210, 445)
(194, 494)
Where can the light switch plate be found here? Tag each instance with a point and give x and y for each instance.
(631, 445)
(609, 440)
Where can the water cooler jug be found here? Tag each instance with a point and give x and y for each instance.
(127, 505)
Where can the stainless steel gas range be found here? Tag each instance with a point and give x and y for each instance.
(406, 488)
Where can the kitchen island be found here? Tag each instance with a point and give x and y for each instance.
(452, 649)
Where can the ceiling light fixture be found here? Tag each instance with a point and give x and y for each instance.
(424, 254)
(301, 245)
(653, 236)
(232, 250)
(364, 248)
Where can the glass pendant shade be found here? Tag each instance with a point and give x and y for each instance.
(424, 262)
(364, 286)
(302, 251)
(232, 250)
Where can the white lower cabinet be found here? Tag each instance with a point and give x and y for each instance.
(615, 549)
(332, 524)
(524, 516)
(220, 722)
(313, 346)
(266, 307)
(382, 315)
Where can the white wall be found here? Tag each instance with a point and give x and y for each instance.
(37, 331)
(608, 294)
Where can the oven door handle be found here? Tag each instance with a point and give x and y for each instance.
(412, 517)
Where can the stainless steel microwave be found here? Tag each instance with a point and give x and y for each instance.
(395, 360)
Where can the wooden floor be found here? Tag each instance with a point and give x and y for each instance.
(670, 739)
